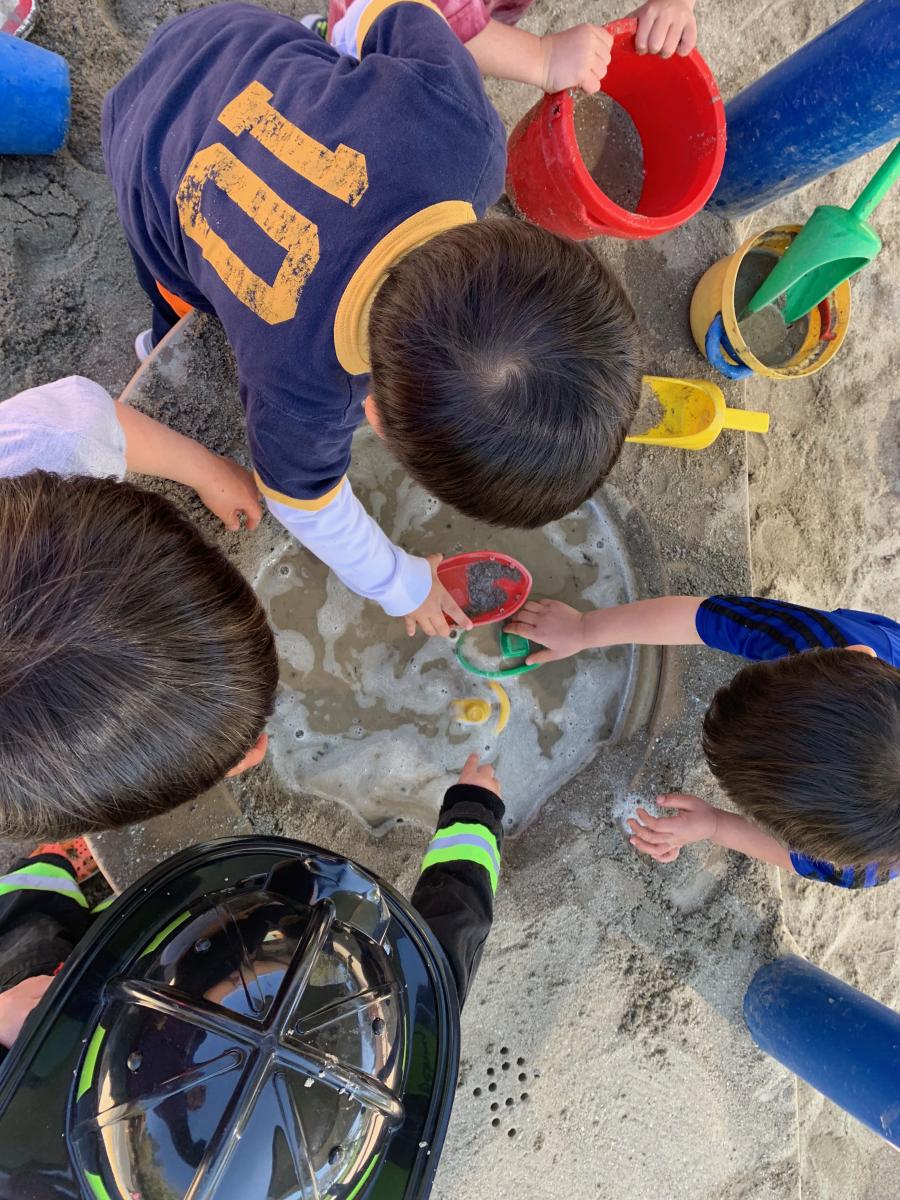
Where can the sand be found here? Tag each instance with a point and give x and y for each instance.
(771, 339)
(616, 982)
(610, 147)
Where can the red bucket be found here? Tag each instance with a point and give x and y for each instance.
(678, 112)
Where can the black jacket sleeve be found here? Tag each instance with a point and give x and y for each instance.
(42, 916)
(460, 871)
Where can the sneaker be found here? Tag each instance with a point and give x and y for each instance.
(317, 23)
(143, 345)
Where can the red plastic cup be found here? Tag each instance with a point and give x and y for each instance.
(678, 112)
(454, 575)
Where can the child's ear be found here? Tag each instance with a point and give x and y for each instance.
(252, 758)
(864, 650)
(372, 415)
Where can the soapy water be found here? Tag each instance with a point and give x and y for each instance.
(365, 715)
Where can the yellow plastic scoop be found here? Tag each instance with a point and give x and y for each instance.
(694, 414)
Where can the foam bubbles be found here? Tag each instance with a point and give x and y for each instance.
(375, 708)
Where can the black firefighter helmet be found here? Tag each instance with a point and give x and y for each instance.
(253, 1020)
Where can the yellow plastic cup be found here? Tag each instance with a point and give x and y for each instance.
(713, 313)
(695, 413)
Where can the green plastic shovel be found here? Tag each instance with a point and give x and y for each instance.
(834, 244)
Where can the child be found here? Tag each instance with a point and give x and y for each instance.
(43, 912)
(74, 427)
(576, 57)
(137, 667)
(804, 742)
(325, 209)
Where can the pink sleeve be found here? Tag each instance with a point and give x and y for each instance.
(466, 18)
(337, 9)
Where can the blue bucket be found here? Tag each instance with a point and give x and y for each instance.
(35, 98)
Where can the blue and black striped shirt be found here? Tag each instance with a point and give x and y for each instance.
(757, 628)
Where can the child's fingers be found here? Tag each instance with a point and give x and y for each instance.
(253, 513)
(653, 822)
(649, 849)
(410, 623)
(590, 85)
(642, 37)
(455, 612)
(651, 837)
(543, 656)
(670, 43)
(680, 800)
(523, 628)
(668, 855)
(657, 36)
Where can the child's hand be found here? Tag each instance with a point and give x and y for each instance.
(429, 616)
(665, 26)
(229, 490)
(480, 775)
(575, 58)
(553, 624)
(17, 1003)
(663, 837)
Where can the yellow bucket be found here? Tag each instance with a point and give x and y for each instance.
(694, 414)
(724, 291)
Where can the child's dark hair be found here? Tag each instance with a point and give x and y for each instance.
(809, 747)
(136, 664)
(505, 370)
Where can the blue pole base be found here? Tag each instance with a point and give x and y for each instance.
(833, 100)
(842, 1042)
(35, 98)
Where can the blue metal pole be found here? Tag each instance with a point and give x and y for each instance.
(835, 99)
(841, 1041)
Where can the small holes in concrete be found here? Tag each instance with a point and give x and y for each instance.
(511, 1133)
(476, 1091)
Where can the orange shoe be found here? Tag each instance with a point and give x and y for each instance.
(77, 851)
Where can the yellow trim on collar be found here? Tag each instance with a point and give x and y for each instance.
(374, 11)
(315, 505)
(351, 321)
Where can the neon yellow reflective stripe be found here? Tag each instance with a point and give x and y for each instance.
(463, 853)
(461, 829)
(97, 1186)
(90, 1062)
(104, 904)
(164, 933)
(362, 1183)
(42, 877)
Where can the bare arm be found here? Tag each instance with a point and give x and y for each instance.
(225, 487)
(667, 621)
(697, 821)
(575, 57)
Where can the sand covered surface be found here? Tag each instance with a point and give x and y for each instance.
(607, 1015)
